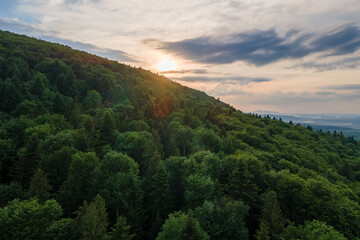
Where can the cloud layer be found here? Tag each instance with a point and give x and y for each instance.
(260, 47)
(224, 80)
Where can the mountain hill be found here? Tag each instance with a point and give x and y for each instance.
(94, 149)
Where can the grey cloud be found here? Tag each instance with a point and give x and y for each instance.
(346, 63)
(343, 40)
(104, 52)
(263, 47)
(343, 87)
(21, 28)
(224, 80)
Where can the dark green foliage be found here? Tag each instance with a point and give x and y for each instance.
(56, 165)
(174, 166)
(61, 230)
(10, 95)
(91, 222)
(59, 104)
(181, 226)
(39, 186)
(312, 230)
(224, 219)
(9, 192)
(92, 100)
(121, 230)
(241, 182)
(117, 180)
(177, 149)
(78, 185)
(272, 222)
(157, 196)
(28, 219)
(28, 159)
(198, 189)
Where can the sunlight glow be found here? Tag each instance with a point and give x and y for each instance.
(166, 65)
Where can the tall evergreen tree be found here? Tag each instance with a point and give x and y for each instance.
(241, 184)
(39, 186)
(181, 226)
(91, 222)
(121, 230)
(272, 222)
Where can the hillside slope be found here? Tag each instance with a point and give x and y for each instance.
(137, 147)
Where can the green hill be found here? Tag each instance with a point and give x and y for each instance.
(94, 149)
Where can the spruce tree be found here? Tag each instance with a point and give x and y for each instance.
(91, 222)
(273, 222)
(121, 230)
(39, 186)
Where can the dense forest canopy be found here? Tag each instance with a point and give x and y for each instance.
(94, 149)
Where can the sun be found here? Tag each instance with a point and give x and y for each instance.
(166, 65)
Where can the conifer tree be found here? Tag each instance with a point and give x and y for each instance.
(241, 184)
(39, 186)
(121, 230)
(181, 226)
(273, 222)
(91, 222)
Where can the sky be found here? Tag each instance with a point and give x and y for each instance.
(300, 56)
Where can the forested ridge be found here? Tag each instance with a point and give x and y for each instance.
(94, 149)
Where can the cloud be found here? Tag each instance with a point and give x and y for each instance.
(197, 71)
(343, 87)
(111, 54)
(280, 98)
(346, 63)
(343, 40)
(15, 26)
(18, 27)
(224, 80)
(225, 90)
(261, 47)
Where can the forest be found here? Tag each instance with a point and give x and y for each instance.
(94, 149)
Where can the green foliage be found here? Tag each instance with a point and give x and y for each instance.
(223, 219)
(198, 189)
(312, 230)
(39, 186)
(56, 165)
(121, 230)
(9, 192)
(117, 180)
(91, 222)
(28, 219)
(92, 100)
(241, 182)
(78, 185)
(272, 222)
(181, 226)
(65, 111)
(61, 230)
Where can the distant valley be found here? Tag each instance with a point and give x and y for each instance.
(348, 124)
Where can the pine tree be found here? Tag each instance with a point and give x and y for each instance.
(273, 222)
(107, 128)
(91, 222)
(121, 230)
(59, 104)
(241, 184)
(39, 186)
(192, 229)
(263, 233)
(181, 226)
